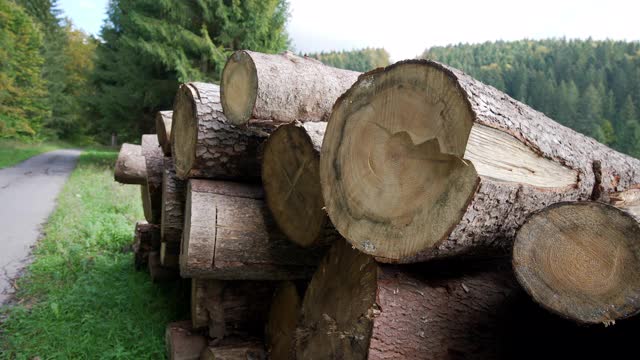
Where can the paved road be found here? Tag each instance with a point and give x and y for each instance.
(27, 197)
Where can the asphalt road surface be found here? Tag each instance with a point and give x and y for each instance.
(27, 197)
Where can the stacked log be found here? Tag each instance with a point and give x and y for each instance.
(432, 217)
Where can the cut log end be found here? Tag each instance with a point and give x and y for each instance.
(184, 130)
(130, 166)
(182, 343)
(163, 129)
(235, 349)
(291, 179)
(402, 159)
(283, 319)
(581, 261)
(336, 317)
(239, 88)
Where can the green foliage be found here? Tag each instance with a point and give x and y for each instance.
(590, 86)
(22, 90)
(356, 60)
(150, 46)
(81, 298)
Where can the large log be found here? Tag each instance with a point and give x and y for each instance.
(154, 160)
(229, 234)
(282, 323)
(163, 130)
(147, 240)
(581, 261)
(173, 200)
(421, 161)
(280, 88)
(182, 342)
(159, 273)
(170, 254)
(130, 166)
(230, 308)
(291, 179)
(236, 349)
(205, 145)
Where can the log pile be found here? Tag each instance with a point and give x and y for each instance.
(409, 212)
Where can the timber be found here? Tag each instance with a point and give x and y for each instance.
(158, 272)
(147, 239)
(154, 160)
(230, 308)
(173, 199)
(421, 161)
(205, 145)
(581, 261)
(236, 349)
(182, 342)
(163, 130)
(170, 254)
(146, 203)
(280, 88)
(130, 166)
(229, 234)
(291, 180)
(282, 323)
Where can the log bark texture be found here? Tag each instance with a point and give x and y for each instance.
(229, 235)
(182, 342)
(147, 239)
(581, 261)
(170, 254)
(130, 166)
(283, 320)
(280, 88)
(230, 308)
(205, 145)
(158, 272)
(237, 349)
(173, 201)
(291, 180)
(422, 161)
(154, 160)
(163, 129)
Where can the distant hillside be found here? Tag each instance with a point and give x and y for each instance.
(357, 60)
(591, 86)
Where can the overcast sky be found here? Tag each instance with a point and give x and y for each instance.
(406, 27)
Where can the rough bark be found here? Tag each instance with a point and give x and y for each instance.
(229, 235)
(182, 342)
(291, 179)
(421, 161)
(173, 200)
(581, 261)
(154, 160)
(158, 272)
(236, 349)
(163, 129)
(147, 239)
(280, 88)
(130, 166)
(283, 319)
(205, 145)
(230, 308)
(146, 203)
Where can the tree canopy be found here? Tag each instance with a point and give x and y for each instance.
(357, 60)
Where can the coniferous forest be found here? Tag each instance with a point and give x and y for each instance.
(356, 60)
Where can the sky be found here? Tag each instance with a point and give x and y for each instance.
(407, 27)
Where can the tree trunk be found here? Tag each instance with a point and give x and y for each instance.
(236, 350)
(163, 129)
(421, 161)
(130, 167)
(581, 261)
(283, 319)
(205, 145)
(291, 179)
(154, 161)
(230, 308)
(158, 272)
(229, 235)
(146, 203)
(173, 199)
(628, 201)
(147, 239)
(170, 255)
(182, 343)
(280, 88)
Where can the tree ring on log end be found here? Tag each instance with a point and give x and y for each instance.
(184, 128)
(392, 169)
(239, 88)
(291, 180)
(581, 261)
(339, 306)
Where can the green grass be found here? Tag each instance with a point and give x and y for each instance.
(13, 152)
(81, 298)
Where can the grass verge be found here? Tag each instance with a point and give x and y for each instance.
(81, 297)
(13, 152)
